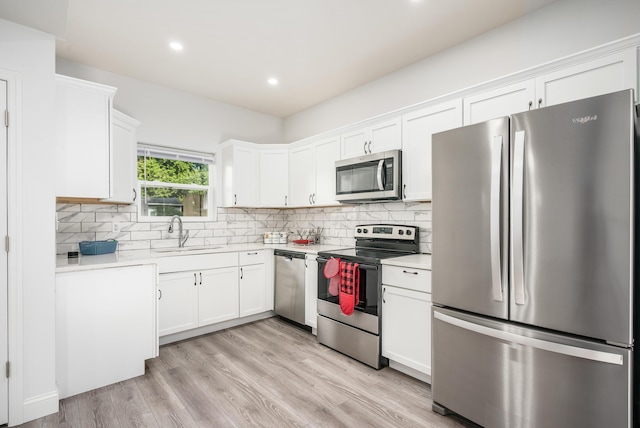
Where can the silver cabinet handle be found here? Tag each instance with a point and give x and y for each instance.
(200, 278)
(252, 254)
(241, 273)
(195, 279)
(160, 294)
(517, 212)
(135, 194)
(285, 200)
(494, 218)
(379, 175)
(410, 273)
(310, 203)
(530, 104)
(384, 291)
(235, 199)
(369, 146)
(313, 198)
(364, 147)
(404, 191)
(539, 102)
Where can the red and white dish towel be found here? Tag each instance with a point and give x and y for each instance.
(349, 286)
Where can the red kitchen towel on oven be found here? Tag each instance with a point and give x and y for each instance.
(349, 286)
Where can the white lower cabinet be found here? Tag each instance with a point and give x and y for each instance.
(177, 302)
(311, 291)
(218, 296)
(253, 293)
(201, 290)
(406, 318)
(105, 326)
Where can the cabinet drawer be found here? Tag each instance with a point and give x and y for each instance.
(251, 257)
(196, 262)
(409, 278)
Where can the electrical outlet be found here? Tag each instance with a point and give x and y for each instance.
(115, 227)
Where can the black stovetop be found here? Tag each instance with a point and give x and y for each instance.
(363, 255)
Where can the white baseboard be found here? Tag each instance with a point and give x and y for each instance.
(175, 337)
(40, 406)
(410, 371)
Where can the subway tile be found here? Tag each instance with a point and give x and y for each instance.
(76, 217)
(113, 216)
(99, 208)
(96, 227)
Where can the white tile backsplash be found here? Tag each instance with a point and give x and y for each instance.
(86, 222)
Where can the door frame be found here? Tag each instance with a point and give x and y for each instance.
(14, 261)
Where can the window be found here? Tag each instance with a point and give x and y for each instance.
(174, 182)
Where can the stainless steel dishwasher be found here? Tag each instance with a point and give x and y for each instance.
(289, 285)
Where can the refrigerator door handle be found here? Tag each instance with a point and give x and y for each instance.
(494, 217)
(517, 191)
(559, 348)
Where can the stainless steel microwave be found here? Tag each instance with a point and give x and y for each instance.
(375, 177)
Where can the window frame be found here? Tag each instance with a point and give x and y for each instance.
(187, 156)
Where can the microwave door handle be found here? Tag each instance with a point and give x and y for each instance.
(380, 174)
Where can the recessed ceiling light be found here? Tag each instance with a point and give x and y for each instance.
(273, 81)
(176, 46)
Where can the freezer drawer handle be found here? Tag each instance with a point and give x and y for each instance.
(558, 348)
(494, 218)
(516, 218)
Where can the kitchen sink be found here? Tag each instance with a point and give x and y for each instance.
(181, 249)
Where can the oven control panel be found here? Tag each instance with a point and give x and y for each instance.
(386, 231)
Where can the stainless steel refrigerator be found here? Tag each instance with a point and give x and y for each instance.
(533, 267)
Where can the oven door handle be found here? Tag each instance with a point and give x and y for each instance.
(360, 265)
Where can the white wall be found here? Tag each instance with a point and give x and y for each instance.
(179, 119)
(558, 30)
(31, 54)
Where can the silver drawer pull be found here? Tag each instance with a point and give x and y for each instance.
(411, 273)
(252, 254)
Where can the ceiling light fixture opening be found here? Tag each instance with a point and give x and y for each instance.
(272, 81)
(176, 46)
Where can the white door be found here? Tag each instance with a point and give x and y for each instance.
(4, 391)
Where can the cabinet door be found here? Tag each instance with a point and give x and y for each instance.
(124, 158)
(406, 327)
(500, 102)
(83, 138)
(105, 326)
(385, 136)
(274, 178)
(417, 128)
(217, 295)
(178, 302)
(608, 74)
(301, 176)
(245, 177)
(327, 152)
(253, 290)
(311, 291)
(354, 143)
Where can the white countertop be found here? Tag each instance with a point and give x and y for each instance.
(138, 257)
(415, 261)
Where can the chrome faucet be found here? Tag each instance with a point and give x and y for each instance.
(181, 239)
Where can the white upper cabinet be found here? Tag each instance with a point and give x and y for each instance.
(417, 128)
(500, 102)
(83, 138)
(240, 175)
(302, 180)
(382, 136)
(312, 178)
(274, 177)
(611, 73)
(326, 153)
(124, 158)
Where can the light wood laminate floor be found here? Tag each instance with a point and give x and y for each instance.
(264, 374)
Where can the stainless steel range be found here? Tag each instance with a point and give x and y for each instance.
(358, 335)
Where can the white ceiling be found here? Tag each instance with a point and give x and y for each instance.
(317, 49)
